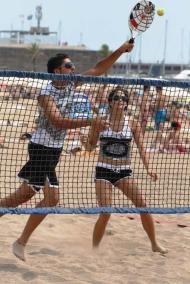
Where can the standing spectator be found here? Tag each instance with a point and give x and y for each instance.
(160, 117)
(144, 109)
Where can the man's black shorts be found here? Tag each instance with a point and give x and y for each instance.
(41, 166)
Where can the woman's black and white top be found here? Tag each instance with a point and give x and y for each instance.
(116, 145)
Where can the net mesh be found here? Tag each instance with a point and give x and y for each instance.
(163, 111)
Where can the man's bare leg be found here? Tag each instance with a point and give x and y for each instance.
(20, 196)
(50, 200)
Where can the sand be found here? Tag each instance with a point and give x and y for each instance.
(60, 252)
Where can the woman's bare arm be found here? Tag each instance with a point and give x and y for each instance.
(94, 132)
(138, 137)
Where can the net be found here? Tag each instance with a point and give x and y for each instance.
(160, 107)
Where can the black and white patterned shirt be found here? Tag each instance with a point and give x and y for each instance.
(47, 134)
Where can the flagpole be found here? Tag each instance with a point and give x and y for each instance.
(165, 47)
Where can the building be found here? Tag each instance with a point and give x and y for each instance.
(36, 34)
(40, 35)
(146, 69)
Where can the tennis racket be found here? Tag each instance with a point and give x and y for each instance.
(141, 18)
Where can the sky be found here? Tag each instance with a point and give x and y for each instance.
(98, 22)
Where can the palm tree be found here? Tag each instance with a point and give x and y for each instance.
(34, 50)
(105, 51)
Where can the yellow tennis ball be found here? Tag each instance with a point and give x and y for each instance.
(160, 12)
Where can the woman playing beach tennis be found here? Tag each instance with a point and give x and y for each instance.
(113, 166)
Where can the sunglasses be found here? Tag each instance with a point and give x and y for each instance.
(68, 65)
(120, 98)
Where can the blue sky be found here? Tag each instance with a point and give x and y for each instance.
(106, 21)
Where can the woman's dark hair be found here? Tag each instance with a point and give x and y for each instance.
(115, 90)
(56, 62)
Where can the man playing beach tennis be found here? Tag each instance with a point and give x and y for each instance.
(46, 143)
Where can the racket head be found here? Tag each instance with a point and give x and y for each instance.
(141, 17)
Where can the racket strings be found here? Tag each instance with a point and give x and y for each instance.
(140, 19)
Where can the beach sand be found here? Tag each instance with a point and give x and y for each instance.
(60, 250)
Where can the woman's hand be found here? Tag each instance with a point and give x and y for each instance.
(153, 175)
(99, 124)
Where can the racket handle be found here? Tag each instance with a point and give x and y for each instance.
(132, 40)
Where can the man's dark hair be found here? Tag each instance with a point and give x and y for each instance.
(56, 62)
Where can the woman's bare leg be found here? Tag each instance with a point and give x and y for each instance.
(104, 197)
(130, 189)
